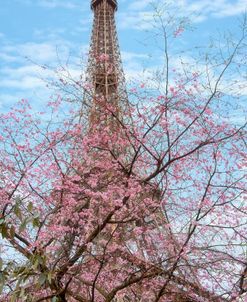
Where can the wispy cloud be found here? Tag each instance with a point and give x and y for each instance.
(139, 20)
(23, 83)
(48, 34)
(218, 9)
(40, 53)
(57, 3)
(137, 5)
(23, 74)
(8, 99)
(130, 56)
(7, 58)
(51, 4)
(232, 9)
(140, 13)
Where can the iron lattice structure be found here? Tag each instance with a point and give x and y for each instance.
(105, 73)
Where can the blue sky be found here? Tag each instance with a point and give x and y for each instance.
(40, 31)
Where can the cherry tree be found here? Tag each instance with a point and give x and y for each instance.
(148, 206)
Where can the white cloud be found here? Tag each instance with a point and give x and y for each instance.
(8, 99)
(51, 4)
(209, 8)
(49, 34)
(129, 56)
(238, 87)
(4, 57)
(135, 20)
(233, 9)
(24, 75)
(57, 3)
(85, 24)
(137, 5)
(140, 14)
(22, 82)
(40, 53)
(26, 82)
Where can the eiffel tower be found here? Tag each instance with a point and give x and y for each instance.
(107, 86)
(105, 73)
